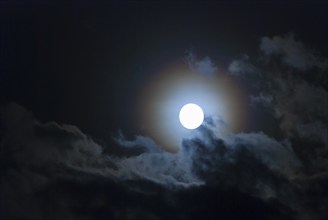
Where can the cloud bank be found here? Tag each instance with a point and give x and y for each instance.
(53, 171)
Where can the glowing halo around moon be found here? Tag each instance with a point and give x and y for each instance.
(221, 98)
(191, 116)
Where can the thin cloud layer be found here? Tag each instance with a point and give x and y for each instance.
(205, 66)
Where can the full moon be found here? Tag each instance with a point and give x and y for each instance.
(191, 116)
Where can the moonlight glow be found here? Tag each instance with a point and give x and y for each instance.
(221, 100)
(191, 116)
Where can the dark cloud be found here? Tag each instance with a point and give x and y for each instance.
(292, 52)
(297, 101)
(146, 143)
(262, 99)
(297, 98)
(54, 171)
(243, 68)
(261, 167)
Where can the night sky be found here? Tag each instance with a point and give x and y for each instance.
(90, 94)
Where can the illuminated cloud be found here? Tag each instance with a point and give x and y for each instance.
(220, 160)
(203, 67)
(292, 52)
(164, 95)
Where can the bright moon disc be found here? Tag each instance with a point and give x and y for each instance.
(191, 116)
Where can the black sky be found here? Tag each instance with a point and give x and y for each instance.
(85, 63)
(64, 61)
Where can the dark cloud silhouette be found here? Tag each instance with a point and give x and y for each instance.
(299, 103)
(58, 163)
(54, 171)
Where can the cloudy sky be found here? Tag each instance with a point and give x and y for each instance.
(90, 97)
